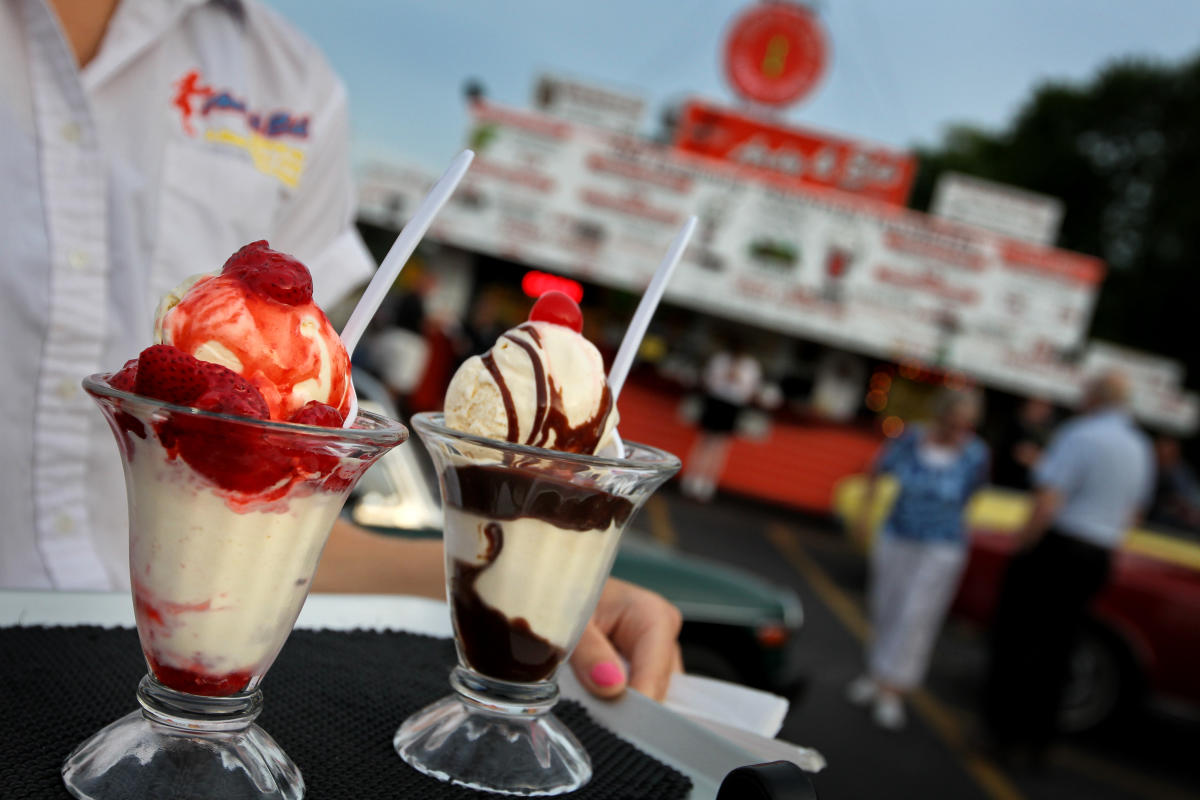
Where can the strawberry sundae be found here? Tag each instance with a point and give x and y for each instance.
(236, 466)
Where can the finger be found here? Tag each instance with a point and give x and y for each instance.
(677, 665)
(597, 665)
(652, 653)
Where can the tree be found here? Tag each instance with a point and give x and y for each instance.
(1123, 153)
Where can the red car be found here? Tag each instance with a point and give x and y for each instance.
(1143, 631)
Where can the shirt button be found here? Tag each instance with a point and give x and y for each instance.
(72, 133)
(78, 259)
(64, 523)
(67, 389)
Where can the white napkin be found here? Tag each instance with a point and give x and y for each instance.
(730, 704)
(747, 717)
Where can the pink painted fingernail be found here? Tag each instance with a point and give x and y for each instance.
(607, 673)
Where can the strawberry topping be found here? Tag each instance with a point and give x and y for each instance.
(270, 273)
(315, 413)
(126, 378)
(230, 393)
(169, 374)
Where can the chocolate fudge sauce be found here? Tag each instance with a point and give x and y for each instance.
(549, 416)
(504, 493)
(492, 643)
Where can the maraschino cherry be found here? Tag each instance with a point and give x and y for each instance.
(557, 308)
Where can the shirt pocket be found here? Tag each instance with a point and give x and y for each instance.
(212, 201)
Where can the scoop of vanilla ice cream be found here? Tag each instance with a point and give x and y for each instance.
(291, 353)
(541, 384)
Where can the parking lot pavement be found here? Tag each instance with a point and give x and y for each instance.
(1147, 756)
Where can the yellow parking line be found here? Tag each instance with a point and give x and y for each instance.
(661, 528)
(787, 542)
(936, 715)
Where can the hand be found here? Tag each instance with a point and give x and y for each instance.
(638, 625)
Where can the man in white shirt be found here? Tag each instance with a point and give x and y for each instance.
(1090, 486)
(142, 142)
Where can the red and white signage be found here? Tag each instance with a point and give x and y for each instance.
(589, 104)
(1007, 210)
(804, 260)
(775, 53)
(795, 156)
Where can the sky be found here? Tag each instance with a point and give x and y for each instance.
(900, 71)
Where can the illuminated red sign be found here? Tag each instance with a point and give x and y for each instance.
(775, 53)
(536, 283)
(796, 156)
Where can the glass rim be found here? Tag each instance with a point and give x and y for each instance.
(389, 432)
(662, 460)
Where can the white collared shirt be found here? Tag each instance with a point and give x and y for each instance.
(1103, 466)
(198, 127)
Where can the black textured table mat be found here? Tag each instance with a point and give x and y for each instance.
(333, 700)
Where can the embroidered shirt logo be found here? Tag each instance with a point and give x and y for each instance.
(262, 133)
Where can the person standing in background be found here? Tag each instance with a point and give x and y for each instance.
(731, 380)
(1177, 491)
(1024, 440)
(919, 557)
(1090, 485)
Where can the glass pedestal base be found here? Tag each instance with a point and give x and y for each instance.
(183, 747)
(497, 737)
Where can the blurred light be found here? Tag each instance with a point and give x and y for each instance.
(881, 382)
(956, 381)
(653, 349)
(537, 283)
(893, 427)
(909, 371)
(772, 635)
(876, 401)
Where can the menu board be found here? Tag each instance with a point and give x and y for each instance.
(810, 261)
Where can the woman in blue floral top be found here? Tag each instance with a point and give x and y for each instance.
(919, 557)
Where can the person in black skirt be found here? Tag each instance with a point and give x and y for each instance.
(731, 380)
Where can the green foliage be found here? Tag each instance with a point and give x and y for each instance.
(1123, 152)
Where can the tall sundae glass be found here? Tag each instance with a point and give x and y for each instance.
(530, 537)
(227, 519)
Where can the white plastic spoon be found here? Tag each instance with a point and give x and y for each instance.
(402, 249)
(641, 321)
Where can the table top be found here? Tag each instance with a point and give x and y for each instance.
(695, 749)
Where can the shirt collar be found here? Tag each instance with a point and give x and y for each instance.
(136, 25)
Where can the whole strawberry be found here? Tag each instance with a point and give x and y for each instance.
(169, 374)
(270, 273)
(314, 413)
(230, 393)
(125, 378)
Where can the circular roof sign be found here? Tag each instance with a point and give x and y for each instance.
(775, 53)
